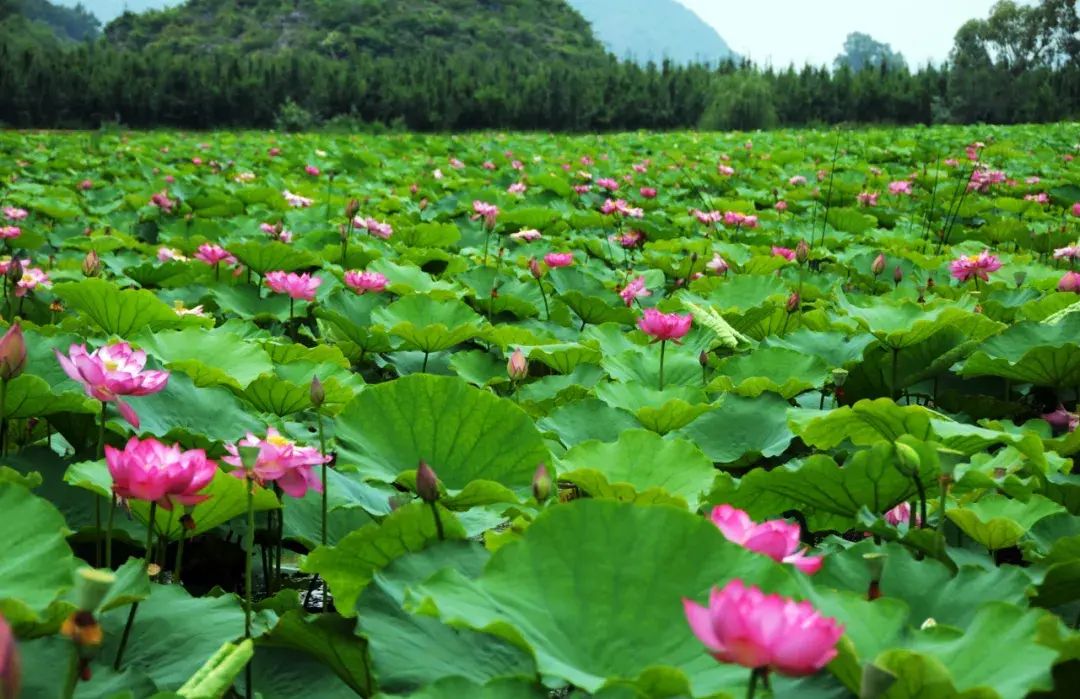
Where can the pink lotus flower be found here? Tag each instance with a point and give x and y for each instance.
(456, 164)
(6, 262)
(1032, 180)
(636, 289)
(516, 188)
(629, 239)
(213, 255)
(297, 286)
(150, 471)
(725, 170)
(786, 253)
(86, 185)
(111, 372)
(1069, 252)
(717, 264)
(165, 254)
(648, 192)
(312, 170)
(608, 184)
(31, 278)
(777, 539)
(901, 514)
(281, 461)
(526, 235)
(979, 266)
(781, 206)
(161, 200)
(734, 218)
(662, 327)
(619, 206)
(296, 201)
(582, 188)
(13, 213)
(276, 232)
(488, 212)
(517, 165)
(868, 198)
(1076, 209)
(1061, 420)
(1070, 282)
(10, 663)
(559, 259)
(8, 232)
(707, 217)
(373, 227)
(743, 625)
(488, 165)
(274, 152)
(900, 187)
(364, 282)
(1040, 198)
(797, 181)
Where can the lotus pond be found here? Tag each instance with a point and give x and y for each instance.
(512, 416)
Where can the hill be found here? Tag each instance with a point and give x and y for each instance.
(377, 28)
(108, 10)
(40, 21)
(651, 30)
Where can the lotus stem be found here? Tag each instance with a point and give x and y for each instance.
(3, 418)
(943, 481)
(249, 545)
(543, 295)
(135, 605)
(325, 500)
(663, 348)
(423, 369)
(100, 454)
(180, 552)
(438, 520)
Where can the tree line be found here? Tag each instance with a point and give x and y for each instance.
(1022, 64)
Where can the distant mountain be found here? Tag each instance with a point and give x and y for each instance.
(41, 21)
(339, 29)
(651, 30)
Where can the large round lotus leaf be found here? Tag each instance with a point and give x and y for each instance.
(641, 461)
(786, 372)
(998, 522)
(36, 564)
(594, 589)
(902, 323)
(1035, 353)
(429, 324)
(465, 434)
(741, 428)
(396, 638)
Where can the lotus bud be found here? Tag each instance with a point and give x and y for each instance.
(91, 265)
(897, 274)
(703, 359)
(909, 459)
(427, 483)
(15, 270)
(534, 268)
(878, 265)
(84, 631)
(517, 367)
(317, 393)
(351, 208)
(12, 353)
(343, 232)
(793, 302)
(928, 624)
(839, 377)
(541, 483)
(10, 667)
(91, 587)
(802, 252)
(187, 522)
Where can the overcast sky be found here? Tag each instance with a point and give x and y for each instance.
(785, 31)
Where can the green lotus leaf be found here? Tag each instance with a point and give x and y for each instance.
(122, 312)
(1031, 352)
(247, 302)
(643, 461)
(741, 429)
(262, 257)
(349, 566)
(622, 573)
(998, 522)
(659, 411)
(782, 371)
(210, 357)
(589, 418)
(463, 433)
(454, 687)
(563, 357)
(327, 638)
(29, 396)
(36, 563)
(170, 414)
(429, 324)
(428, 235)
(864, 423)
(836, 349)
(349, 317)
(900, 323)
(396, 638)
